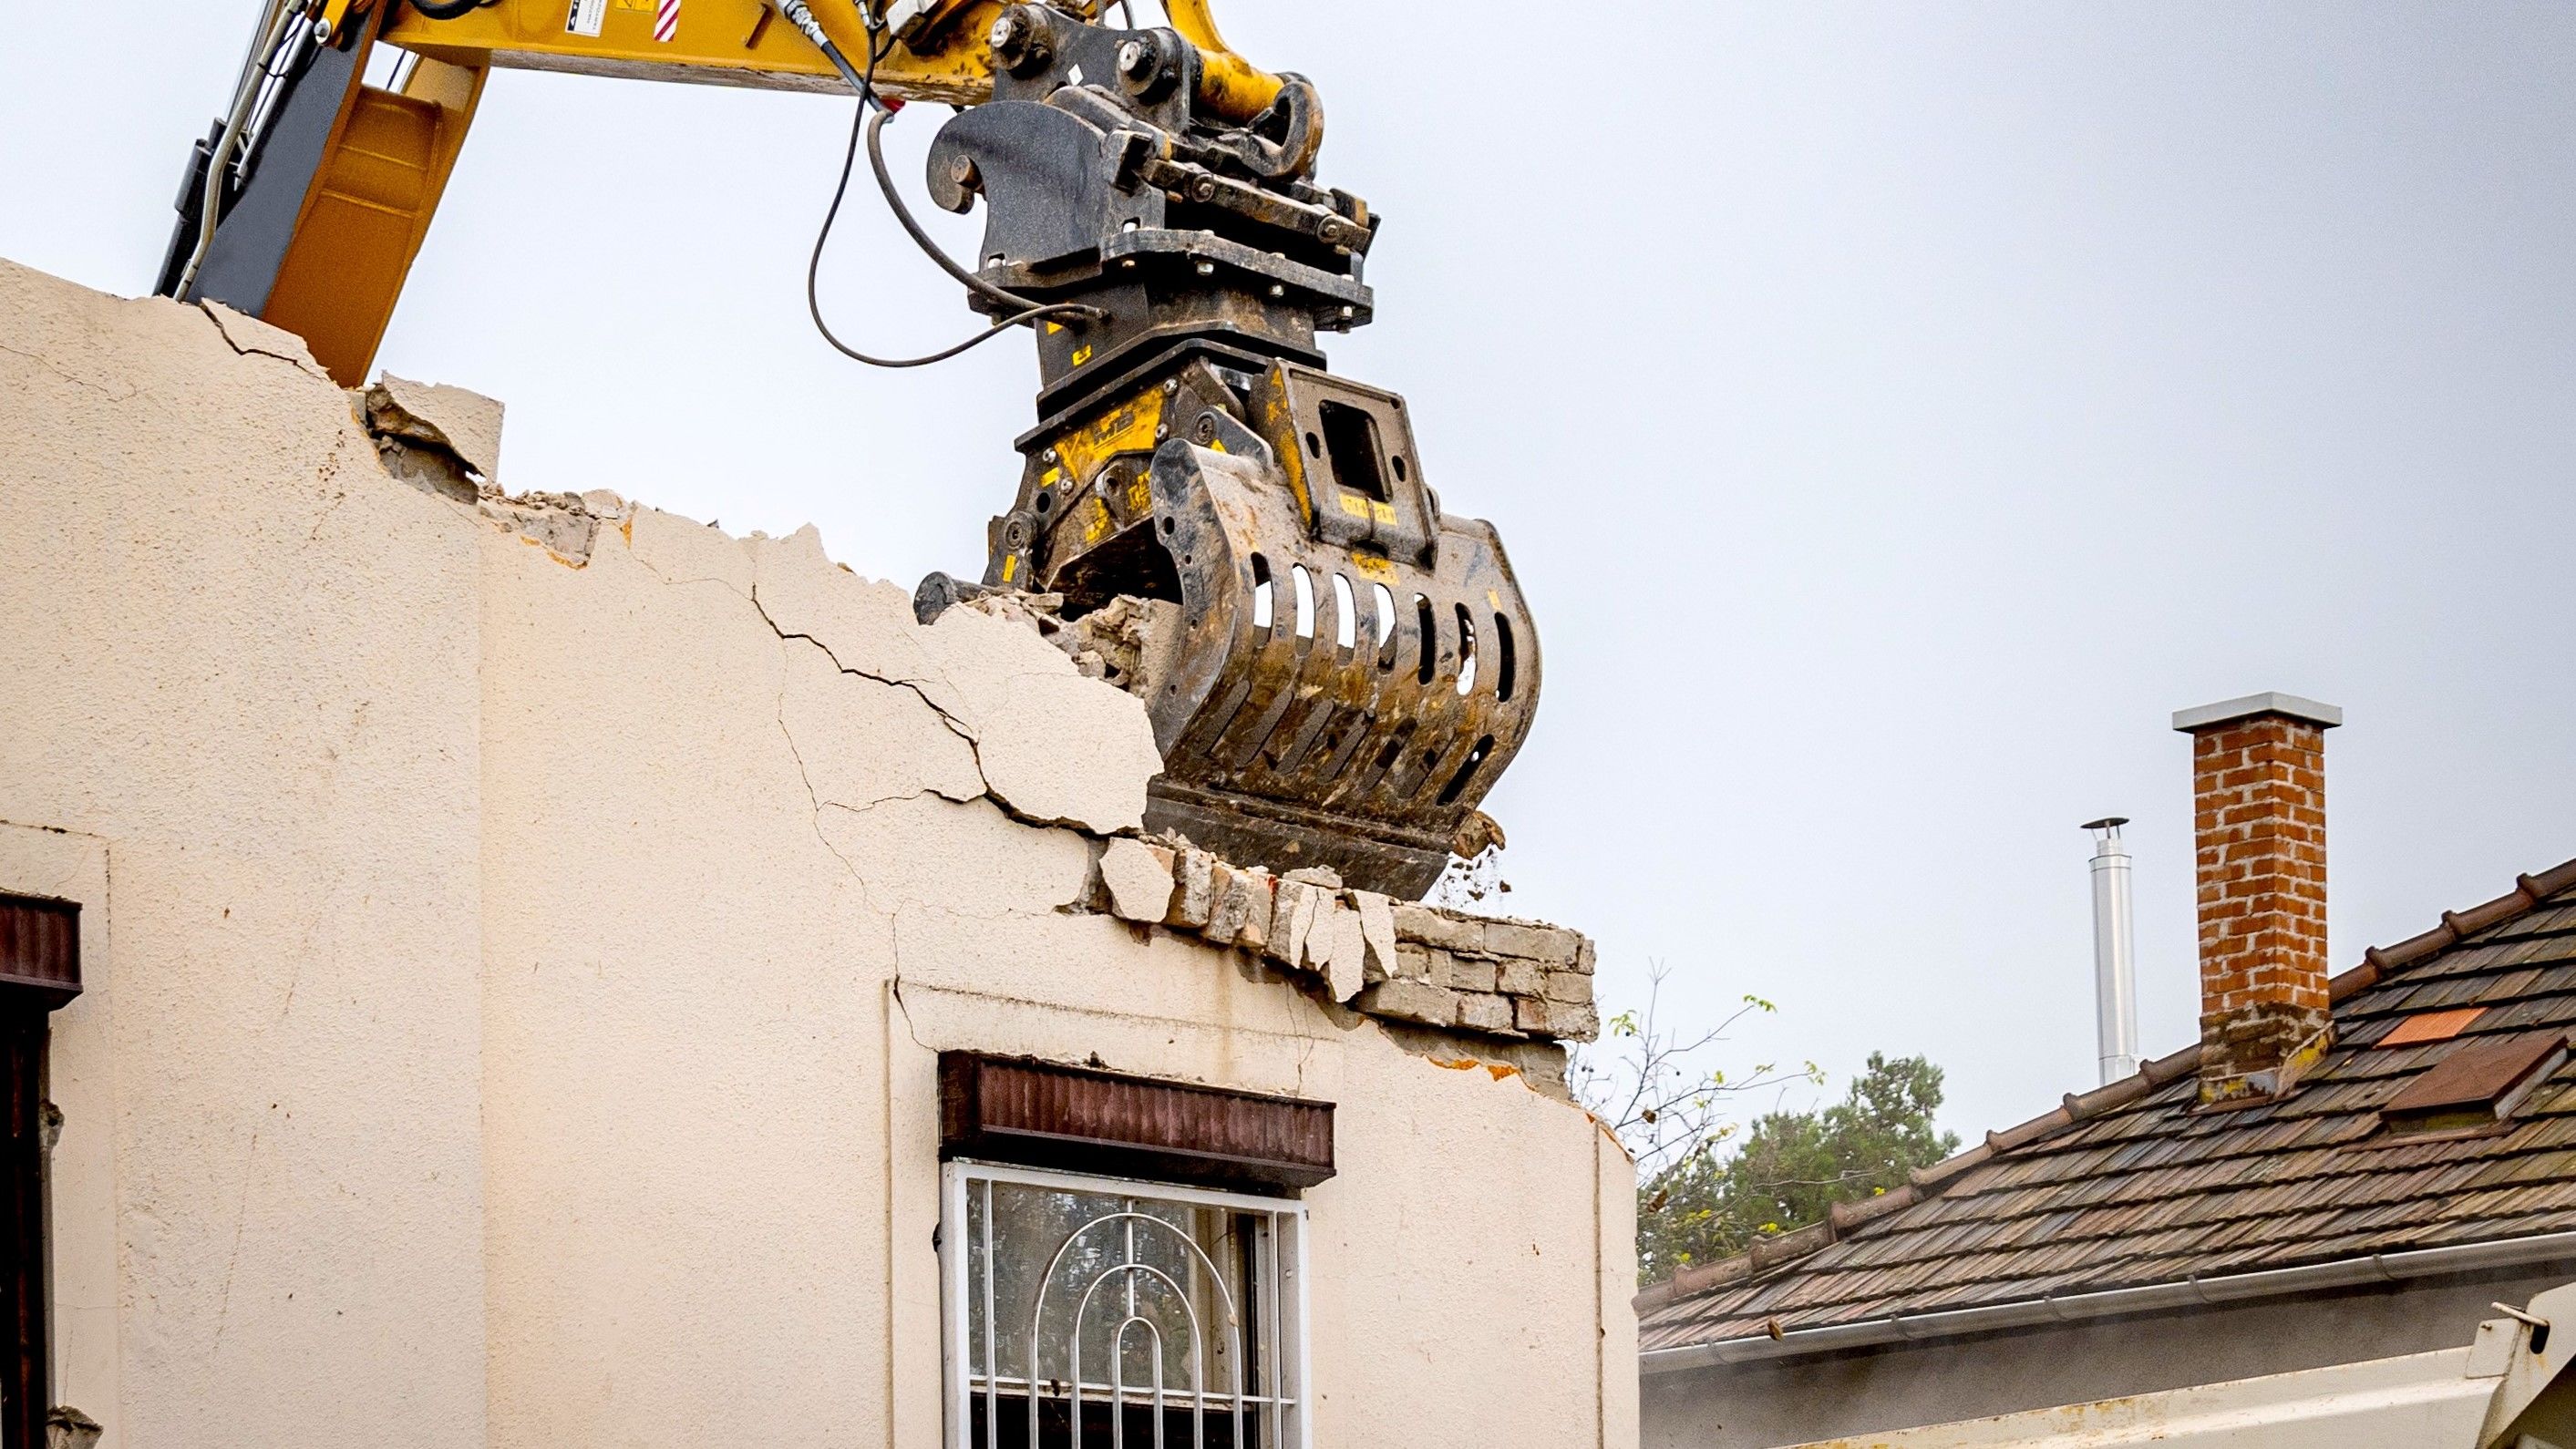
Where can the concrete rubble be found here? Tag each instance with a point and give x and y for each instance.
(1395, 960)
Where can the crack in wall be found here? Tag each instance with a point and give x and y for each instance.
(56, 368)
(956, 726)
(225, 319)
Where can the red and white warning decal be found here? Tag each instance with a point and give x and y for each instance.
(666, 21)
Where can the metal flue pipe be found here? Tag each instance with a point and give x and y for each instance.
(2115, 978)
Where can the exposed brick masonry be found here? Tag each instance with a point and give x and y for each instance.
(1424, 965)
(2259, 828)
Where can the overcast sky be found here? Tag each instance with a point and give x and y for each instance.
(1894, 412)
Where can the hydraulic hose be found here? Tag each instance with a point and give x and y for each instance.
(245, 96)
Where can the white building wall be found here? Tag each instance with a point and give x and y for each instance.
(595, 917)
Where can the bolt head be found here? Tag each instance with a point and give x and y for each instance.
(1007, 31)
(1207, 269)
(961, 169)
(1136, 60)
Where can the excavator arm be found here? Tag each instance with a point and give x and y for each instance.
(1336, 670)
(354, 172)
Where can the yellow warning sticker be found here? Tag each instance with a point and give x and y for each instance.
(1356, 506)
(1095, 522)
(1140, 495)
(1010, 566)
(1382, 512)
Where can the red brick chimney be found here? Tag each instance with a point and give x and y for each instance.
(2258, 791)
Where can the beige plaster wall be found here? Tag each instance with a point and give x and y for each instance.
(600, 916)
(238, 657)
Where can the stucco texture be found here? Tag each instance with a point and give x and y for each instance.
(524, 969)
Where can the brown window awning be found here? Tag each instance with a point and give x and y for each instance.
(1040, 1115)
(39, 949)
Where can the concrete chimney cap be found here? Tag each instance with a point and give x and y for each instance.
(2229, 711)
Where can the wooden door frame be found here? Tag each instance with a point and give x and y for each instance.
(25, 1394)
(39, 972)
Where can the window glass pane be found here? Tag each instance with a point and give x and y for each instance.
(1134, 1272)
(1147, 1290)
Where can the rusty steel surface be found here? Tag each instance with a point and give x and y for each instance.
(39, 949)
(1041, 1115)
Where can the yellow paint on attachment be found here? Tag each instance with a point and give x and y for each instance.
(1216, 445)
(1050, 477)
(1081, 355)
(1010, 566)
(1128, 427)
(1370, 566)
(1356, 506)
(1054, 327)
(1140, 496)
(1494, 600)
(1382, 512)
(1095, 521)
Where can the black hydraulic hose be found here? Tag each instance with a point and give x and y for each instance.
(447, 9)
(814, 265)
(1029, 310)
(948, 264)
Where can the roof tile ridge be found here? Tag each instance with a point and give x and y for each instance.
(1924, 1183)
(1921, 1184)
(2528, 892)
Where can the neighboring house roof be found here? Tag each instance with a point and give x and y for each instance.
(2129, 1185)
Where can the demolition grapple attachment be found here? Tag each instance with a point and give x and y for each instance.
(1338, 671)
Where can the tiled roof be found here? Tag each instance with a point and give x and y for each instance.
(2128, 1185)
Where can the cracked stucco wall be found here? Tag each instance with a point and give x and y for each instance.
(245, 666)
(599, 916)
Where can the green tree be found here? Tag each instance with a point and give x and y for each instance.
(1790, 1167)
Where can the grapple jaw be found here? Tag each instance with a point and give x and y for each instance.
(1347, 670)
(1336, 671)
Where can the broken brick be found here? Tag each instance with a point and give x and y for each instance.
(1411, 1001)
(1138, 880)
(1194, 901)
(1485, 1012)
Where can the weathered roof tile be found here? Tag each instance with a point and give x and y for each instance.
(2130, 1184)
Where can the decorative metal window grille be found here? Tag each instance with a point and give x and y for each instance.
(1093, 1310)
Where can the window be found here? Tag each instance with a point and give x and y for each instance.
(2475, 1089)
(1096, 1310)
(39, 971)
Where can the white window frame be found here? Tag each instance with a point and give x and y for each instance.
(1290, 1407)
